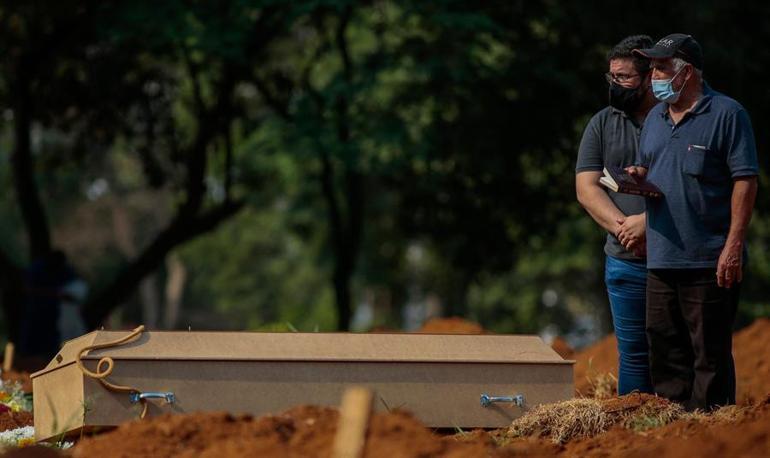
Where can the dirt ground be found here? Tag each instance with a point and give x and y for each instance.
(309, 431)
(300, 432)
(561, 347)
(748, 436)
(751, 351)
(13, 420)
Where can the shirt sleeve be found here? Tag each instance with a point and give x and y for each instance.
(590, 154)
(741, 147)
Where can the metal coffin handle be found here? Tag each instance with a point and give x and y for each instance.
(487, 400)
(137, 397)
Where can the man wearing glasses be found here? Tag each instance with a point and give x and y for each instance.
(699, 149)
(612, 138)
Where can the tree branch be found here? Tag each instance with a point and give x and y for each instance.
(152, 169)
(342, 42)
(327, 187)
(281, 109)
(353, 179)
(196, 156)
(228, 140)
(192, 71)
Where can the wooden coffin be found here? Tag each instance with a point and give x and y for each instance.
(442, 379)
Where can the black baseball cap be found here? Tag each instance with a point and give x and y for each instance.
(675, 45)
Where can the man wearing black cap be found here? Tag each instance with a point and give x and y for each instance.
(698, 148)
(612, 138)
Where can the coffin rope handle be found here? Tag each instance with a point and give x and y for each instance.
(101, 375)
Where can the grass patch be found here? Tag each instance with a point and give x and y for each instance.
(562, 421)
(583, 418)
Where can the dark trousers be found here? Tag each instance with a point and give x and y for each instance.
(689, 329)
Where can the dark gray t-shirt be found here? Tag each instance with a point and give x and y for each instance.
(612, 138)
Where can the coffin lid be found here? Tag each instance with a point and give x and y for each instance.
(319, 347)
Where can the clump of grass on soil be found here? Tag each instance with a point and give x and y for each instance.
(562, 421)
(581, 418)
(650, 416)
(725, 414)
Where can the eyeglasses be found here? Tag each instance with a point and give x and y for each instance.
(619, 78)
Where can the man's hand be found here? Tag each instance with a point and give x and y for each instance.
(632, 232)
(729, 267)
(636, 171)
(730, 264)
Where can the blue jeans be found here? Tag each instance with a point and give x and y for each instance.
(627, 289)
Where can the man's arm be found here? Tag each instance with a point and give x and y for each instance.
(729, 267)
(595, 200)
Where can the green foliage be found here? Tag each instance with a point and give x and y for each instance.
(253, 274)
(461, 120)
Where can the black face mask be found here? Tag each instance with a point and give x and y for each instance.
(625, 98)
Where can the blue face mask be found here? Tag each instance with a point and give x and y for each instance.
(663, 90)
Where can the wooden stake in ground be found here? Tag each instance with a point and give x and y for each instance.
(8, 358)
(354, 419)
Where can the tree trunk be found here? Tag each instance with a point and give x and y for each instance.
(28, 198)
(27, 194)
(150, 299)
(342, 296)
(177, 276)
(346, 232)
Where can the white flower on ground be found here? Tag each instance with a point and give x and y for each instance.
(18, 437)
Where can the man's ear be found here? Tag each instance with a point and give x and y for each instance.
(690, 71)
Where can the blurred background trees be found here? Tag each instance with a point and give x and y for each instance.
(251, 164)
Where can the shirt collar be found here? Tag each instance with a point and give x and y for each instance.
(703, 105)
(617, 111)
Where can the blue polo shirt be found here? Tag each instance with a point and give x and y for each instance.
(694, 164)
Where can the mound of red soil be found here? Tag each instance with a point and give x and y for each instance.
(12, 420)
(37, 451)
(561, 347)
(451, 325)
(748, 436)
(309, 431)
(751, 350)
(301, 431)
(633, 401)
